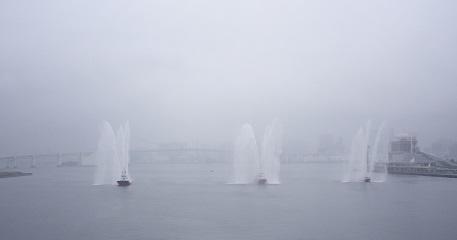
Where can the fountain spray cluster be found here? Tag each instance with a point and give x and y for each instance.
(250, 166)
(367, 161)
(112, 156)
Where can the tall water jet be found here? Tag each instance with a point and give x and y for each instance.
(248, 167)
(112, 156)
(106, 158)
(123, 148)
(379, 156)
(245, 157)
(355, 167)
(271, 153)
(365, 162)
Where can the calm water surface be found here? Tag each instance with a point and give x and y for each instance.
(192, 201)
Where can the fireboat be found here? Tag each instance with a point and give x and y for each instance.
(262, 180)
(124, 181)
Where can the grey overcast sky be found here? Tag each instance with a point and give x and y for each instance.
(196, 70)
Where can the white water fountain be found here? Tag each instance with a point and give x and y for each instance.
(245, 157)
(112, 156)
(248, 165)
(271, 153)
(379, 156)
(368, 157)
(123, 149)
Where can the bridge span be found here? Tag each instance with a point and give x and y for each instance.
(80, 158)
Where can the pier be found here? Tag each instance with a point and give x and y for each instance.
(406, 158)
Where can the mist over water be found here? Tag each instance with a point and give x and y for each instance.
(194, 72)
(247, 119)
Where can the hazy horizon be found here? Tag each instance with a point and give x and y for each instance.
(197, 70)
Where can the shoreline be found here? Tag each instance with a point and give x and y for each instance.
(6, 174)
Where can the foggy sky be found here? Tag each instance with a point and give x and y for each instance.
(196, 70)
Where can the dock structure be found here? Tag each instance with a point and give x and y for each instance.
(427, 170)
(405, 157)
